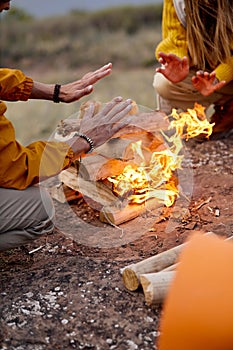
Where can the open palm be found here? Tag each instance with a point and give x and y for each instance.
(175, 69)
(206, 83)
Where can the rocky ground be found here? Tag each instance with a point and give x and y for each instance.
(69, 293)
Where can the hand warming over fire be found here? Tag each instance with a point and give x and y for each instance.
(206, 83)
(175, 69)
(97, 128)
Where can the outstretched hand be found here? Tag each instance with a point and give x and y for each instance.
(206, 83)
(102, 126)
(175, 69)
(74, 91)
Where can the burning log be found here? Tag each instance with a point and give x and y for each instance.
(136, 167)
(98, 192)
(117, 215)
(155, 286)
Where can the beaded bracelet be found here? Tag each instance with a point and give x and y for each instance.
(85, 137)
(56, 93)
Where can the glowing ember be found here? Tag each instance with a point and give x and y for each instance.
(155, 178)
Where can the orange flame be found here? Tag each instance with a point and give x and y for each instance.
(194, 121)
(155, 178)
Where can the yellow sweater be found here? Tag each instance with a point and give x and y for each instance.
(174, 41)
(22, 166)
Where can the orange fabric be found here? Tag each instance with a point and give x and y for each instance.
(198, 311)
(22, 166)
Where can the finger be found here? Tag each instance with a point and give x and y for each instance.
(110, 105)
(80, 93)
(207, 75)
(89, 111)
(185, 61)
(200, 73)
(105, 67)
(213, 74)
(122, 119)
(195, 79)
(117, 108)
(219, 85)
(101, 72)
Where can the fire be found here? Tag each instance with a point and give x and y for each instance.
(194, 121)
(155, 177)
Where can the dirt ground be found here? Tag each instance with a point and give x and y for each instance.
(69, 294)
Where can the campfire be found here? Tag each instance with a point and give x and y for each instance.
(136, 170)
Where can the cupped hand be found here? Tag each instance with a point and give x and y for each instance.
(175, 69)
(102, 126)
(206, 83)
(74, 91)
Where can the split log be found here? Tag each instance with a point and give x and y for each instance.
(96, 191)
(155, 286)
(131, 273)
(63, 193)
(118, 215)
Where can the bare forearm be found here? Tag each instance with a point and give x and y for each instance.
(42, 91)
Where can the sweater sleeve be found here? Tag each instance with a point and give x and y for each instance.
(225, 71)
(173, 33)
(14, 85)
(21, 167)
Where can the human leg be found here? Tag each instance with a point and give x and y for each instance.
(181, 95)
(25, 215)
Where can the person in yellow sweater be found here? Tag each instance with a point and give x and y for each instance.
(196, 59)
(26, 210)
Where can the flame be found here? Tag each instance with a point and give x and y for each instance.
(194, 121)
(155, 177)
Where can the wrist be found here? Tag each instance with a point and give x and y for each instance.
(87, 139)
(56, 93)
(80, 144)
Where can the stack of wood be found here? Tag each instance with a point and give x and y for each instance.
(91, 178)
(154, 274)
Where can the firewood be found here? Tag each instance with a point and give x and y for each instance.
(63, 193)
(155, 286)
(117, 215)
(97, 191)
(131, 273)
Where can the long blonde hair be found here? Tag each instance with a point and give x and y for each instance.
(209, 31)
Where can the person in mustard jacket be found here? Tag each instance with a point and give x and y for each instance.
(26, 209)
(196, 59)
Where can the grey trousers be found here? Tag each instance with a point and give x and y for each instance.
(25, 215)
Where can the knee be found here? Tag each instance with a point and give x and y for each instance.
(47, 206)
(44, 215)
(162, 86)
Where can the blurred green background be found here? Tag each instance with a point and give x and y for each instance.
(60, 49)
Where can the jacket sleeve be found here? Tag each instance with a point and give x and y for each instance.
(21, 167)
(173, 33)
(14, 85)
(225, 71)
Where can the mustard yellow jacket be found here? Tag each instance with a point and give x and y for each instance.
(22, 166)
(174, 41)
